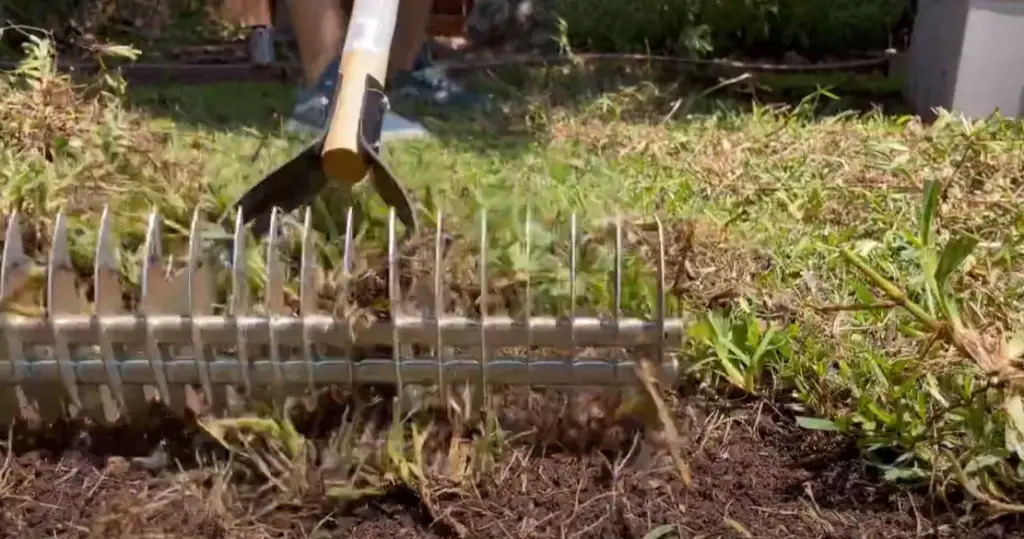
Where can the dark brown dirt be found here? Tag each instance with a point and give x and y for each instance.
(755, 475)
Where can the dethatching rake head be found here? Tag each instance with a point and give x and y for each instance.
(107, 362)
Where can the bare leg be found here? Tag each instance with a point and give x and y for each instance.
(410, 34)
(319, 27)
(319, 32)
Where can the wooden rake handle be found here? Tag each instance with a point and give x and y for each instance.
(364, 57)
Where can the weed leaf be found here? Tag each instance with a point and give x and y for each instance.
(904, 474)
(817, 423)
(1015, 425)
(953, 255)
(1014, 348)
(981, 462)
(932, 190)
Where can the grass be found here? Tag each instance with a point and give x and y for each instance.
(858, 270)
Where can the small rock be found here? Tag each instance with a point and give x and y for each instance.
(117, 465)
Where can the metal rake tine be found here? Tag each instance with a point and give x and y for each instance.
(572, 292)
(528, 307)
(346, 263)
(14, 260)
(394, 297)
(617, 281)
(274, 298)
(660, 348)
(198, 296)
(107, 301)
(308, 296)
(14, 257)
(240, 298)
(13, 263)
(439, 303)
(60, 290)
(151, 254)
(617, 285)
(484, 352)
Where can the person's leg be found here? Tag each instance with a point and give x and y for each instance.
(410, 34)
(319, 27)
(319, 30)
(409, 70)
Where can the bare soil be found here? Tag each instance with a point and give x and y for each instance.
(755, 475)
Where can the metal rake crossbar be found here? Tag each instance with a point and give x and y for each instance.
(105, 362)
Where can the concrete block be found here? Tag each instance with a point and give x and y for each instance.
(967, 56)
(397, 128)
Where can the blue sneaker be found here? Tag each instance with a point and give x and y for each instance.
(431, 85)
(424, 84)
(309, 114)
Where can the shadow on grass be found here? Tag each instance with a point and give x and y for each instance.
(525, 103)
(222, 106)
